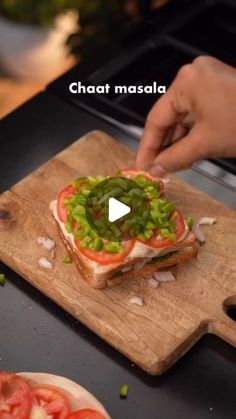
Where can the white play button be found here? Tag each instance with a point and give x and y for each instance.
(116, 209)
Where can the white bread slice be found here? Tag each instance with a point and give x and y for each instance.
(78, 397)
(100, 276)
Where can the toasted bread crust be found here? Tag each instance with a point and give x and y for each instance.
(187, 250)
(148, 270)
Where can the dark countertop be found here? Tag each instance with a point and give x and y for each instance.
(36, 335)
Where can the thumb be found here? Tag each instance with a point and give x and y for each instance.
(179, 155)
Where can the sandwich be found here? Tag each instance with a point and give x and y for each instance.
(153, 236)
(31, 395)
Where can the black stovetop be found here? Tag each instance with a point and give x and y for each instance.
(153, 50)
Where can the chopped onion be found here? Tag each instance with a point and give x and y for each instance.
(206, 221)
(164, 276)
(137, 301)
(49, 244)
(165, 180)
(153, 283)
(40, 240)
(199, 234)
(44, 263)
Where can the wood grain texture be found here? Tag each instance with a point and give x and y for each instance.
(175, 315)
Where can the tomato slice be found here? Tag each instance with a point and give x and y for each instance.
(15, 397)
(64, 194)
(132, 173)
(86, 414)
(159, 242)
(49, 401)
(105, 258)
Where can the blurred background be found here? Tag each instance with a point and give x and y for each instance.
(39, 40)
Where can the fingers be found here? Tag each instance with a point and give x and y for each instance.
(180, 155)
(160, 119)
(168, 111)
(179, 132)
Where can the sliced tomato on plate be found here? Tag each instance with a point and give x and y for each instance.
(15, 397)
(132, 173)
(63, 195)
(159, 242)
(86, 414)
(105, 258)
(49, 401)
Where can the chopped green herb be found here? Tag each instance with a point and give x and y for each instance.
(2, 279)
(67, 260)
(124, 389)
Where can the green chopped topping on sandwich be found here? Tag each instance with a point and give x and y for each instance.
(189, 222)
(87, 216)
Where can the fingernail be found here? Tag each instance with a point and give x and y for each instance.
(157, 170)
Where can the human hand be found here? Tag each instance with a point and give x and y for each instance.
(196, 117)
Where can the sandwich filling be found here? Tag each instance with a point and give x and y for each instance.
(156, 237)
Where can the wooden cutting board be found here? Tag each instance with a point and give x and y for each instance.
(175, 315)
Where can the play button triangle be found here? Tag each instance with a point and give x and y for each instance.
(117, 209)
